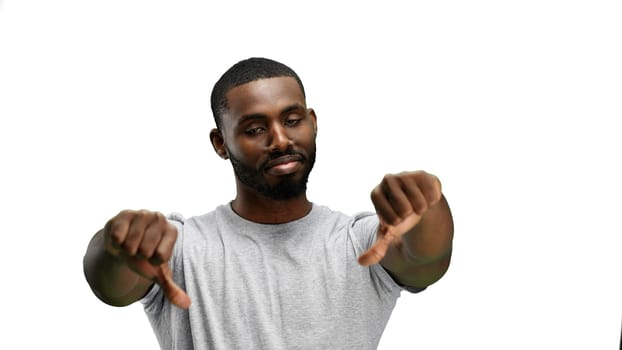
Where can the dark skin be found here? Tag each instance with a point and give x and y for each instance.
(264, 117)
(268, 115)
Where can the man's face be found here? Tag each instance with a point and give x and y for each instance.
(269, 136)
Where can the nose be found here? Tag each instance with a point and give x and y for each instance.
(279, 140)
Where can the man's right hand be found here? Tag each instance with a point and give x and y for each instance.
(145, 241)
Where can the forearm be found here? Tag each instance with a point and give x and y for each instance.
(425, 253)
(111, 280)
(416, 228)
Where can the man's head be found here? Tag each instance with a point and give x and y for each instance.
(264, 128)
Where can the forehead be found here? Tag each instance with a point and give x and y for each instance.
(264, 96)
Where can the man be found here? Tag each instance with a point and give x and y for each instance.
(270, 269)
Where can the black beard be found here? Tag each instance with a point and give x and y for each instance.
(287, 188)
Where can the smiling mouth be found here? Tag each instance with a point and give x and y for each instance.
(283, 160)
(284, 165)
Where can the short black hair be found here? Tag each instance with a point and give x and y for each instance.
(243, 72)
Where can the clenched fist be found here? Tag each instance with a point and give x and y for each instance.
(145, 241)
(400, 201)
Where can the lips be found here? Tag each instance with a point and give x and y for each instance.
(283, 160)
(283, 165)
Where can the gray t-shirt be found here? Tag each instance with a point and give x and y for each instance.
(296, 285)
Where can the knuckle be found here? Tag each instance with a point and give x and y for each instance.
(115, 232)
(162, 255)
(438, 182)
(145, 251)
(136, 229)
(389, 177)
(143, 213)
(420, 207)
(115, 237)
(159, 216)
(125, 214)
(376, 192)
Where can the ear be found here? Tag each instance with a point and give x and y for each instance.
(218, 142)
(311, 113)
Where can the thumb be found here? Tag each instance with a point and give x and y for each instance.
(377, 251)
(164, 277)
(387, 235)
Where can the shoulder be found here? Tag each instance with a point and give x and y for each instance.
(323, 210)
(180, 220)
(362, 223)
(188, 227)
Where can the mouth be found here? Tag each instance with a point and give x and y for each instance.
(284, 165)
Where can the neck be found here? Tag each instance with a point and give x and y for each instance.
(263, 210)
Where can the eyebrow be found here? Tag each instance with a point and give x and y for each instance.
(295, 106)
(255, 116)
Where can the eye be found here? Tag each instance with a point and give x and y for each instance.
(292, 121)
(254, 131)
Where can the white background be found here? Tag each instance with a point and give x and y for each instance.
(104, 105)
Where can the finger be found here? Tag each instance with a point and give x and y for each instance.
(164, 251)
(116, 228)
(110, 246)
(136, 231)
(394, 192)
(430, 186)
(378, 250)
(415, 196)
(152, 237)
(384, 209)
(172, 291)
